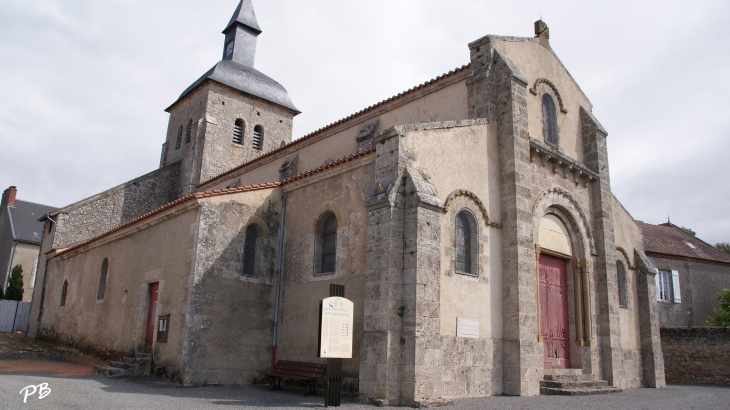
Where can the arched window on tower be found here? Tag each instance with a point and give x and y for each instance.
(64, 291)
(258, 137)
(549, 120)
(178, 142)
(238, 128)
(326, 247)
(102, 279)
(463, 243)
(249, 250)
(189, 131)
(623, 299)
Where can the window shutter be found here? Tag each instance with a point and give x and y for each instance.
(658, 285)
(675, 287)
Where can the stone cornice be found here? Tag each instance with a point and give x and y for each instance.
(545, 154)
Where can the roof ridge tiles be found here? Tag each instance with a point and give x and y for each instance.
(338, 122)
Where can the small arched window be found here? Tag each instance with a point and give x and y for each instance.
(102, 279)
(238, 131)
(249, 250)
(64, 291)
(623, 299)
(189, 131)
(258, 137)
(549, 120)
(463, 243)
(327, 247)
(178, 142)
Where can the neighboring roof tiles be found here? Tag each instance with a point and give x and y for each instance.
(671, 240)
(327, 166)
(338, 122)
(24, 217)
(246, 79)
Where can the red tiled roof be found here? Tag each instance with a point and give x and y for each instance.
(215, 192)
(670, 240)
(338, 122)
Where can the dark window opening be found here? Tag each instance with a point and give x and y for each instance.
(163, 326)
(189, 131)
(463, 243)
(623, 299)
(549, 120)
(64, 291)
(238, 131)
(102, 279)
(258, 137)
(329, 244)
(178, 142)
(249, 250)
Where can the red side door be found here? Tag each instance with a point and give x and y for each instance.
(554, 311)
(149, 338)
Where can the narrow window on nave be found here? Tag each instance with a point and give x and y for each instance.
(463, 243)
(249, 250)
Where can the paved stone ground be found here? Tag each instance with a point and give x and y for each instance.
(73, 387)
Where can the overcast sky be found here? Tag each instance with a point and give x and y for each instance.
(83, 83)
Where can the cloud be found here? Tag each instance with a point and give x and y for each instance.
(84, 83)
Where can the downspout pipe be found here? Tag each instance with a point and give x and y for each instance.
(278, 282)
(45, 268)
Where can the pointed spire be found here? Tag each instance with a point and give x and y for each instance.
(245, 15)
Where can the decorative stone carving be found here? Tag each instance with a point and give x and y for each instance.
(365, 136)
(289, 168)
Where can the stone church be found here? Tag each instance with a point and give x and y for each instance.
(470, 219)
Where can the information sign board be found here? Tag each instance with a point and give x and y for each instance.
(335, 328)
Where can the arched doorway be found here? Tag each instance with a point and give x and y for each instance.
(554, 287)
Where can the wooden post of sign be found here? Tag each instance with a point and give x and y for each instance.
(333, 377)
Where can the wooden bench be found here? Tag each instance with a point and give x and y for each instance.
(307, 372)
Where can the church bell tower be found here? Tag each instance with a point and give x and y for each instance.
(241, 35)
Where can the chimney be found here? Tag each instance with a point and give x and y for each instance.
(542, 33)
(9, 196)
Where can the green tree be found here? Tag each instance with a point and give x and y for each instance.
(722, 314)
(2, 294)
(15, 285)
(723, 246)
(689, 231)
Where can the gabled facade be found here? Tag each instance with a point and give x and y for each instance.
(470, 219)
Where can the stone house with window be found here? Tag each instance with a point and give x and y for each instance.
(470, 219)
(690, 273)
(20, 239)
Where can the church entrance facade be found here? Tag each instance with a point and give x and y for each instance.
(554, 311)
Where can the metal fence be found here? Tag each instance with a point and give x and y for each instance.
(14, 316)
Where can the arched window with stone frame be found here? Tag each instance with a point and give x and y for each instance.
(325, 258)
(466, 243)
(64, 292)
(623, 295)
(251, 250)
(238, 129)
(102, 279)
(549, 120)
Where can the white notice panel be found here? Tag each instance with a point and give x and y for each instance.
(335, 324)
(466, 327)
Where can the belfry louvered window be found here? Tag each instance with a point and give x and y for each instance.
(463, 243)
(329, 244)
(178, 142)
(102, 279)
(258, 137)
(189, 131)
(238, 131)
(549, 120)
(249, 250)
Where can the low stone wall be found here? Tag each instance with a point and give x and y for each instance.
(696, 355)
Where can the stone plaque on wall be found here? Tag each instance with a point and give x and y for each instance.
(466, 327)
(335, 328)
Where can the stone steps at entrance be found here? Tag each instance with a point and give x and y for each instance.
(129, 366)
(572, 382)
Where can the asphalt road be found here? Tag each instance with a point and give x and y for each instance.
(94, 392)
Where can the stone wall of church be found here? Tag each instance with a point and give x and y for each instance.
(101, 212)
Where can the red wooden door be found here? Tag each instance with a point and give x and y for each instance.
(149, 338)
(554, 311)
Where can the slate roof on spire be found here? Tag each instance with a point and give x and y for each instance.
(245, 15)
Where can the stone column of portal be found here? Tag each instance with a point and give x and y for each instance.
(651, 344)
(608, 326)
(497, 91)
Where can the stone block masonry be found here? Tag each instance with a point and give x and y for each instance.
(696, 355)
